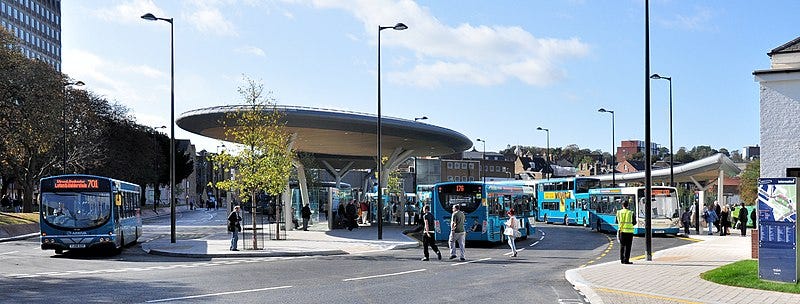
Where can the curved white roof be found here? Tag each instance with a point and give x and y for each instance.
(701, 170)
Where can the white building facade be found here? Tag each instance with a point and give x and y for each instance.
(780, 112)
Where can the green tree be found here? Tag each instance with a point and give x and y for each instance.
(28, 89)
(748, 189)
(682, 156)
(262, 156)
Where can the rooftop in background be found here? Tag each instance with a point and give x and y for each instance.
(335, 133)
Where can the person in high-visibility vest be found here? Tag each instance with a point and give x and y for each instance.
(626, 220)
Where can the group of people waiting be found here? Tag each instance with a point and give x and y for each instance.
(723, 218)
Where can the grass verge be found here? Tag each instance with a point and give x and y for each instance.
(18, 218)
(745, 274)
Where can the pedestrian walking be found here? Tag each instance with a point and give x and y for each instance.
(457, 232)
(234, 227)
(512, 231)
(305, 212)
(427, 234)
(743, 219)
(686, 220)
(625, 220)
(754, 217)
(364, 212)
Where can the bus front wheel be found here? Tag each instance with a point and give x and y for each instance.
(566, 221)
(598, 226)
(545, 219)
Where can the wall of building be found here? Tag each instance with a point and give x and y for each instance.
(780, 122)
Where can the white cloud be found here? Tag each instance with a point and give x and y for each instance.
(464, 53)
(118, 81)
(207, 18)
(128, 12)
(699, 20)
(252, 50)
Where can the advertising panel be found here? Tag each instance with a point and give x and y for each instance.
(777, 228)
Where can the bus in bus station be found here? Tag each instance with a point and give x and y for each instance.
(665, 213)
(564, 200)
(87, 212)
(484, 206)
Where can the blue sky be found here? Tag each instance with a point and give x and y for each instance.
(494, 70)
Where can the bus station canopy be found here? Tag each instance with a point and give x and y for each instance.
(338, 136)
(705, 169)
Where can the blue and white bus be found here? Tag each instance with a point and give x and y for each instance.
(665, 213)
(85, 211)
(564, 200)
(485, 207)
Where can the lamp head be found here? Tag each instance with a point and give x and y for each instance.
(79, 83)
(602, 110)
(540, 128)
(400, 26)
(420, 118)
(149, 16)
(656, 76)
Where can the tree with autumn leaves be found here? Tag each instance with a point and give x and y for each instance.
(261, 158)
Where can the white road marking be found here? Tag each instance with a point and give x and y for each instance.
(534, 244)
(10, 252)
(509, 253)
(218, 294)
(467, 262)
(384, 275)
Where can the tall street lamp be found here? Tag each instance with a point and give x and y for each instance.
(483, 158)
(671, 153)
(397, 27)
(415, 159)
(64, 119)
(613, 143)
(548, 146)
(151, 17)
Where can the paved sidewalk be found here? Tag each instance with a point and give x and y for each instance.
(673, 276)
(297, 243)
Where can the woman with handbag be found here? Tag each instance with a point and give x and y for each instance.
(512, 231)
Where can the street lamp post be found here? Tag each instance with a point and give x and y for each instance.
(397, 27)
(613, 143)
(483, 158)
(548, 146)
(415, 159)
(671, 153)
(64, 119)
(151, 17)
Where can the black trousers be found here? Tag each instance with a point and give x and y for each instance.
(428, 241)
(625, 241)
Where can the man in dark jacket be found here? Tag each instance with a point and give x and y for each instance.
(234, 226)
(305, 212)
(743, 219)
(350, 216)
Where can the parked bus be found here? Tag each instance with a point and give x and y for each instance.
(485, 207)
(85, 211)
(564, 200)
(665, 217)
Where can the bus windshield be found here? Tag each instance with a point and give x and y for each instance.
(73, 210)
(664, 203)
(467, 196)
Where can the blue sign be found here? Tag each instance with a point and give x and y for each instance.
(777, 228)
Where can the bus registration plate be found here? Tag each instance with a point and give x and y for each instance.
(77, 245)
(659, 231)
